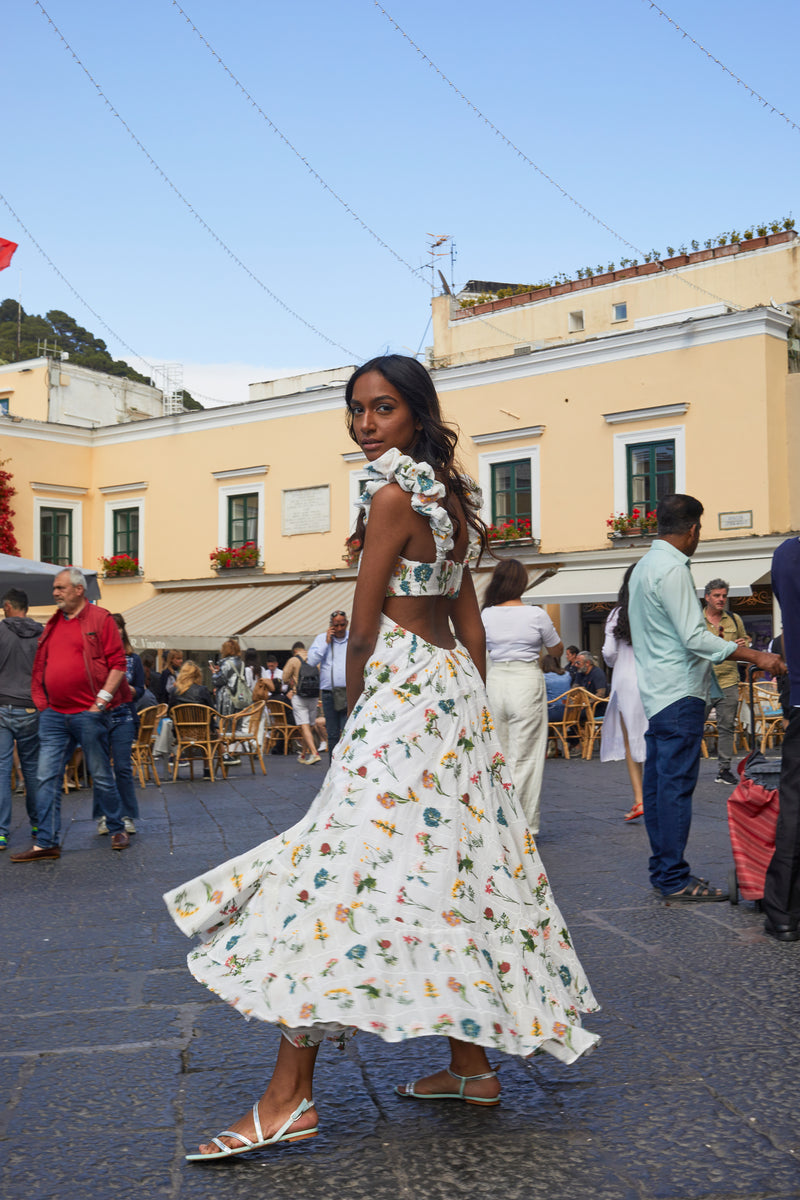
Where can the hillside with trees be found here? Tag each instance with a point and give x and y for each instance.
(57, 331)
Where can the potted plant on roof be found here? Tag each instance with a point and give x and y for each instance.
(638, 525)
(235, 558)
(120, 566)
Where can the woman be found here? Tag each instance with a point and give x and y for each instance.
(556, 683)
(166, 680)
(516, 634)
(390, 906)
(624, 723)
(189, 687)
(123, 723)
(253, 671)
(230, 685)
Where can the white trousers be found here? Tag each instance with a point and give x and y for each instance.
(518, 704)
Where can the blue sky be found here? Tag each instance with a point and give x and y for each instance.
(608, 99)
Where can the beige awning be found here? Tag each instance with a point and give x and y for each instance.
(581, 584)
(307, 615)
(202, 618)
(575, 585)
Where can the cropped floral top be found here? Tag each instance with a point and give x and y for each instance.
(409, 578)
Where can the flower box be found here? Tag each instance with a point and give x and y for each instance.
(235, 558)
(120, 566)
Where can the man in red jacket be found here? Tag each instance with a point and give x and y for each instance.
(78, 674)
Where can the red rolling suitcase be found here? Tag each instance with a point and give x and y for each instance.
(752, 817)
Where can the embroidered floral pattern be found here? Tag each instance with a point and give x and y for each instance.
(410, 899)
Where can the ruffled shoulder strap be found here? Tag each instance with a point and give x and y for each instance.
(475, 499)
(419, 479)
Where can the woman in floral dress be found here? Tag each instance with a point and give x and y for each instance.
(410, 900)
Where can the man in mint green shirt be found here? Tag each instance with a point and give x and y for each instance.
(674, 653)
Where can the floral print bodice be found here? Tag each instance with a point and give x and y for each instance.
(410, 578)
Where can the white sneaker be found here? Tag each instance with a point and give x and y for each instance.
(310, 760)
(322, 746)
(129, 825)
(101, 826)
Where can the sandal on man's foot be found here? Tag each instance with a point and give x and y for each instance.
(407, 1090)
(697, 891)
(282, 1135)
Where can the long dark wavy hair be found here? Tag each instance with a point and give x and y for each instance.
(435, 442)
(509, 580)
(623, 630)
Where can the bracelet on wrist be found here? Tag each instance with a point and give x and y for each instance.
(104, 695)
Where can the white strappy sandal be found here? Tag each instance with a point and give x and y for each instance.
(248, 1145)
(407, 1089)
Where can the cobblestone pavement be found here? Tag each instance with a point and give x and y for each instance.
(113, 1060)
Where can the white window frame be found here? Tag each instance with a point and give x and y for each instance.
(356, 479)
(576, 321)
(485, 464)
(76, 508)
(619, 304)
(111, 507)
(674, 433)
(240, 489)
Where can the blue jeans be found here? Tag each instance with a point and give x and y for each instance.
(59, 734)
(335, 720)
(670, 774)
(20, 725)
(782, 886)
(121, 736)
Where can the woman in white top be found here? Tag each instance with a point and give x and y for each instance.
(624, 724)
(516, 634)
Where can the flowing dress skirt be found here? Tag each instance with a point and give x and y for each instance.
(410, 899)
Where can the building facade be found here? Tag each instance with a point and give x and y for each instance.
(575, 404)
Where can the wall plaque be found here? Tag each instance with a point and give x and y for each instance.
(306, 510)
(736, 520)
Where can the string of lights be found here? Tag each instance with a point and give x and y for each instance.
(539, 170)
(163, 175)
(415, 271)
(713, 58)
(74, 291)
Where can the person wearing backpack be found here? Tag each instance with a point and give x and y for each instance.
(230, 684)
(303, 681)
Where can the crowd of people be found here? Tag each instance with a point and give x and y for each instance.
(410, 900)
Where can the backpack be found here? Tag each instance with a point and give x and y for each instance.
(307, 681)
(241, 695)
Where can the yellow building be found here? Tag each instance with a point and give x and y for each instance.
(574, 403)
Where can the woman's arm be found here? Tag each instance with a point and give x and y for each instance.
(467, 623)
(389, 528)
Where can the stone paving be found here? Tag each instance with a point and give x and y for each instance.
(113, 1060)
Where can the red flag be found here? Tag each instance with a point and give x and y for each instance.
(6, 252)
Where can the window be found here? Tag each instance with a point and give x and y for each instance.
(651, 473)
(4, 402)
(620, 312)
(575, 321)
(242, 519)
(126, 531)
(55, 535)
(511, 491)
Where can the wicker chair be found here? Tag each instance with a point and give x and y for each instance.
(239, 734)
(280, 731)
(142, 749)
(195, 737)
(593, 726)
(570, 720)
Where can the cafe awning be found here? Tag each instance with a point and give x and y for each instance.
(202, 618)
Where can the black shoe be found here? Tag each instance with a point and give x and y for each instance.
(782, 933)
(726, 776)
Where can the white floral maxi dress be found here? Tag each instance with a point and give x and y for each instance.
(410, 900)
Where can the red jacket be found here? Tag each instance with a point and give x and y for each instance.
(93, 620)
